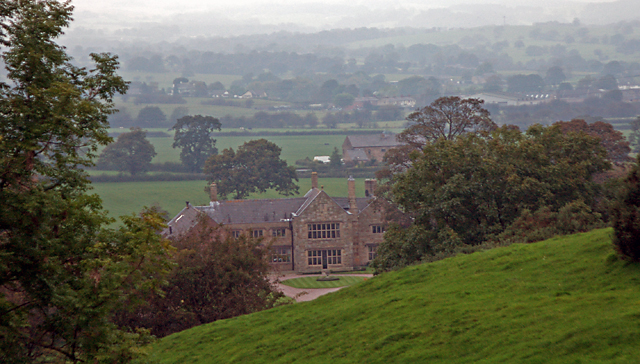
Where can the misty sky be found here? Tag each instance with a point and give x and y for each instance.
(207, 17)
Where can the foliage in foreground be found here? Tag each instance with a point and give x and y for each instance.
(626, 217)
(61, 272)
(564, 300)
(215, 277)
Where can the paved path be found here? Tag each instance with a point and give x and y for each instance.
(309, 294)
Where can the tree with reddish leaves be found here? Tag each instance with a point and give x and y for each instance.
(613, 141)
(215, 277)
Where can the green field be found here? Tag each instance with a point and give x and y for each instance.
(293, 147)
(130, 197)
(313, 283)
(565, 300)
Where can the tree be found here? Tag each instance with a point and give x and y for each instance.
(61, 273)
(606, 82)
(612, 140)
(626, 217)
(555, 75)
(177, 113)
(132, 152)
(343, 100)
(525, 83)
(335, 160)
(151, 117)
(255, 167)
(202, 287)
(193, 136)
(446, 118)
(634, 137)
(466, 190)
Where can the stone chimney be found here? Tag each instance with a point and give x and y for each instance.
(353, 207)
(370, 186)
(213, 192)
(314, 180)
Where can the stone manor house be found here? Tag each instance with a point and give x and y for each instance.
(309, 234)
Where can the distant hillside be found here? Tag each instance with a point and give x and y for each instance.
(565, 300)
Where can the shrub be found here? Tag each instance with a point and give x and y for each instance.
(625, 217)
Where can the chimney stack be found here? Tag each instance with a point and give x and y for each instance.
(353, 207)
(314, 180)
(213, 192)
(370, 186)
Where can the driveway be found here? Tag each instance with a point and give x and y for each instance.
(307, 294)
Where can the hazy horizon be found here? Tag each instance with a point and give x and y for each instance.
(191, 18)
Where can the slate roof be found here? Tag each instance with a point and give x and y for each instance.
(251, 211)
(374, 140)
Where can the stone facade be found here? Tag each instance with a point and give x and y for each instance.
(308, 234)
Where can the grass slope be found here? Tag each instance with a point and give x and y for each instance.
(565, 300)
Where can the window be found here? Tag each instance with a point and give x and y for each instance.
(333, 256)
(257, 233)
(324, 231)
(377, 229)
(372, 251)
(314, 257)
(281, 255)
(236, 233)
(279, 232)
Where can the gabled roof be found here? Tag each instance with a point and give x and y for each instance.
(253, 211)
(374, 140)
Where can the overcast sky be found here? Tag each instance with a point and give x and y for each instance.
(214, 17)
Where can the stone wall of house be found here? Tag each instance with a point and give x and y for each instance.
(280, 243)
(369, 218)
(376, 153)
(323, 210)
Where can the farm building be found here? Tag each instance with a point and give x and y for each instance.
(309, 234)
(363, 148)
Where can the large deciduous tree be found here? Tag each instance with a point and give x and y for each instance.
(446, 118)
(255, 167)
(132, 152)
(193, 136)
(61, 273)
(151, 117)
(463, 191)
(613, 141)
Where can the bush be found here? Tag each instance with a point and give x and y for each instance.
(625, 216)
(574, 217)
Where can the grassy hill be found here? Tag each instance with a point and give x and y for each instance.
(565, 300)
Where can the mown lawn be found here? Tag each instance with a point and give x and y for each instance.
(564, 300)
(312, 282)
